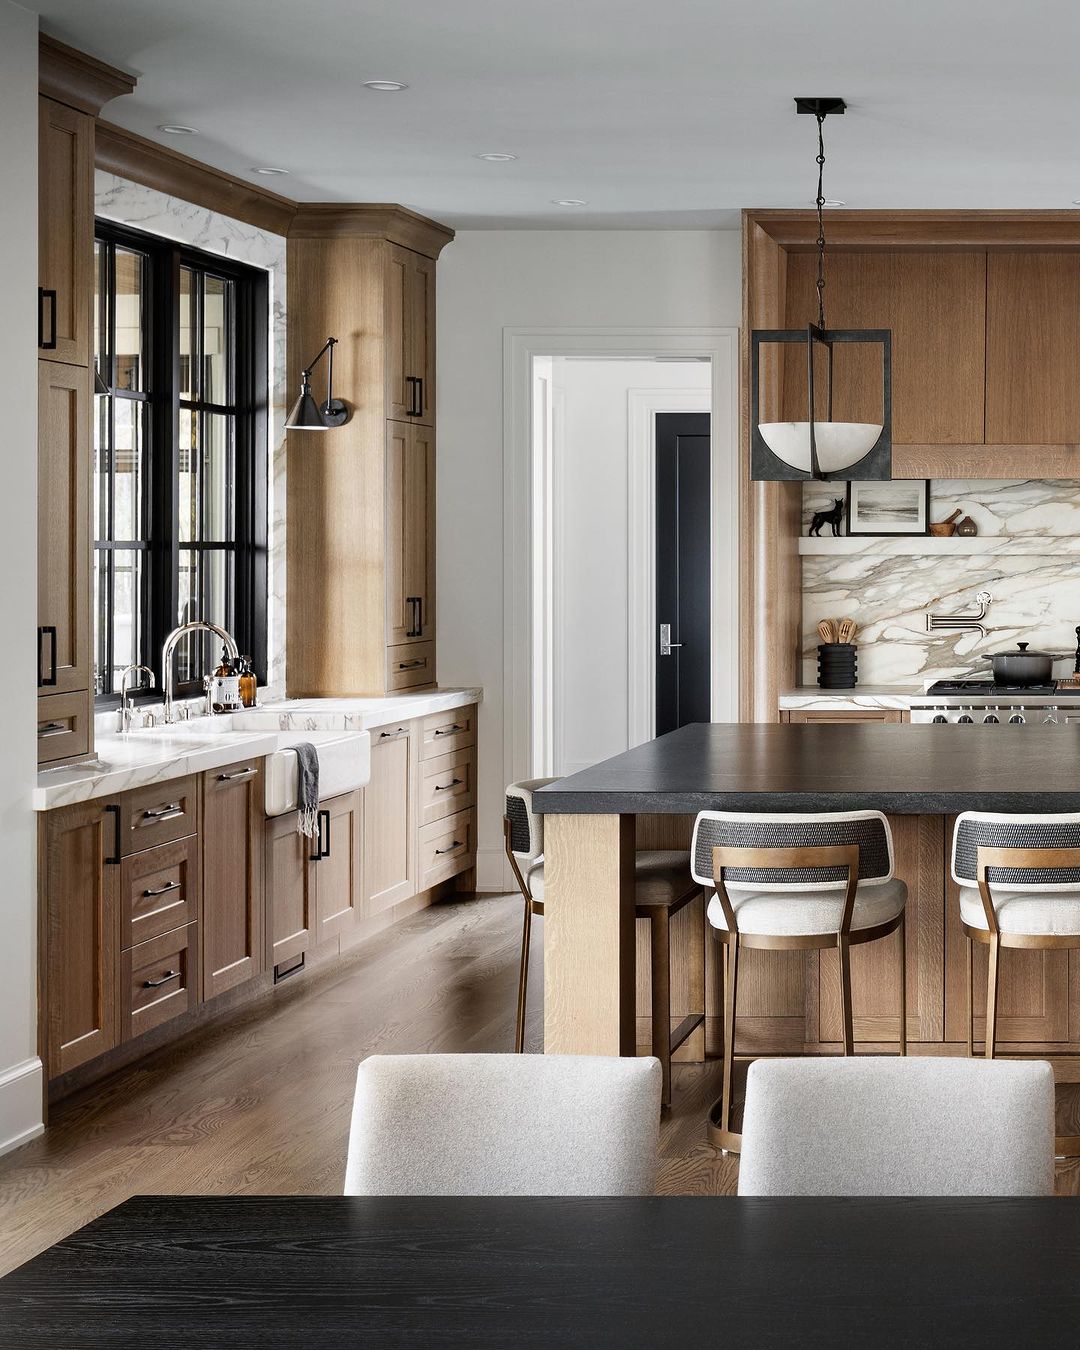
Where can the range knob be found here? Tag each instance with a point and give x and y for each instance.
(965, 717)
(940, 717)
(1017, 719)
(991, 717)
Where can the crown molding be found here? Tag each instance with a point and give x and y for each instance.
(334, 220)
(131, 156)
(78, 80)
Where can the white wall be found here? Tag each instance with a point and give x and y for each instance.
(20, 1068)
(591, 514)
(490, 280)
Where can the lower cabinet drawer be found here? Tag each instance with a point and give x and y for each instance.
(63, 729)
(157, 814)
(447, 848)
(447, 785)
(410, 666)
(442, 733)
(159, 890)
(159, 980)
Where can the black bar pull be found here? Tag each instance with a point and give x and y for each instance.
(324, 817)
(115, 810)
(445, 787)
(323, 845)
(154, 984)
(163, 890)
(419, 396)
(452, 849)
(47, 631)
(43, 297)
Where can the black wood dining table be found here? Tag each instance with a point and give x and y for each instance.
(328, 1272)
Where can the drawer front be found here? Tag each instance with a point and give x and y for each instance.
(63, 729)
(447, 785)
(447, 848)
(159, 980)
(410, 666)
(159, 891)
(443, 733)
(158, 814)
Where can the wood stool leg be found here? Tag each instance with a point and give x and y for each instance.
(660, 980)
(991, 997)
(523, 981)
(903, 981)
(844, 948)
(720, 1131)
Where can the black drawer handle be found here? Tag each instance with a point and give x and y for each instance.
(384, 734)
(48, 296)
(449, 731)
(163, 890)
(445, 787)
(53, 729)
(47, 631)
(169, 975)
(171, 812)
(419, 410)
(238, 773)
(324, 839)
(114, 811)
(411, 665)
(452, 849)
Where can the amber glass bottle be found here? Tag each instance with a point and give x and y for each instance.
(249, 686)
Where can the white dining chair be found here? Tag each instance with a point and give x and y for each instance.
(888, 1126)
(504, 1125)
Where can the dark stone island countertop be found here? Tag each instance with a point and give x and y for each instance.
(903, 769)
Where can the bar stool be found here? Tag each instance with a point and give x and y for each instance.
(1019, 879)
(663, 886)
(796, 883)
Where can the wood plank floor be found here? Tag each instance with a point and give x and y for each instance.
(259, 1102)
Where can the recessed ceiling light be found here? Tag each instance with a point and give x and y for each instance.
(569, 201)
(385, 86)
(497, 158)
(175, 129)
(834, 201)
(269, 169)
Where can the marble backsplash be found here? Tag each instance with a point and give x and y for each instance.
(1031, 566)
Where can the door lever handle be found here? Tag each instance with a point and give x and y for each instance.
(666, 644)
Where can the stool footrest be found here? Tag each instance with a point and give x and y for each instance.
(686, 1029)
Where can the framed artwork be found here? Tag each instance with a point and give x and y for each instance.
(893, 506)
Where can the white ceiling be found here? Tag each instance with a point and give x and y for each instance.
(659, 113)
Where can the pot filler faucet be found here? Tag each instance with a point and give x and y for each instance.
(192, 626)
(962, 623)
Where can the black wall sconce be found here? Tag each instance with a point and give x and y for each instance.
(821, 449)
(306, 414)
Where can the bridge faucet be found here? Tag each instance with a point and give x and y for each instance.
(192, 626)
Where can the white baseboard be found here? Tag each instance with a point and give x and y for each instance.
(20, 1104)
(493, 871)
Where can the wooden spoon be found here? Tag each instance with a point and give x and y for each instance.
(846, 631)
(826, 631)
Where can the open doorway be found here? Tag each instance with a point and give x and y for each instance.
(623, 552)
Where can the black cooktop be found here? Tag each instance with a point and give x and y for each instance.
(989, 687)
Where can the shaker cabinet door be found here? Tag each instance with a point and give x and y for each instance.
(65, 232)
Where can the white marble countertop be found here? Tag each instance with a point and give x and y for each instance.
(158, 754)
(811, 698)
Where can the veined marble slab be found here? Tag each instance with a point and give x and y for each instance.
(840, 700)
(160, 754)
(898, 546)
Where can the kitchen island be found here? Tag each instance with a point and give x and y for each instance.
(920, 776)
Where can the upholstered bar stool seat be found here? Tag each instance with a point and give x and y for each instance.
(1035, 913)
(663, 885)
(795, 883)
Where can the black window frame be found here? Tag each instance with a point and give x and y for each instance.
(161, 492)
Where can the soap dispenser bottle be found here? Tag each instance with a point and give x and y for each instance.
(248, 684)
(225, 687)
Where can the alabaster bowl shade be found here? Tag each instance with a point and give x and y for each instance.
(839, 444)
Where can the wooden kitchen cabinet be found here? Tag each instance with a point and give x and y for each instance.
(159, 980)
(290, 872)
(339, 871)
(65, 232)
(81, 920)
(410, 329)
(390, 819)
(63, 532)
(232, 876)
(410, 535)
(852, 715)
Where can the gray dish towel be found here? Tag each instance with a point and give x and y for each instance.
(307, 789)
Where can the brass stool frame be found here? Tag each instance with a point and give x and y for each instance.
(846, 855)
(1065, 1145)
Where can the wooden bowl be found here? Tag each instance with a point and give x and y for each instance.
(944, 529)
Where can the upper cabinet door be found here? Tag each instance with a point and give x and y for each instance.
(410, 336)
(1032, 349)
(63, 643)
(65, 232)
(935, 305)
(410, 533)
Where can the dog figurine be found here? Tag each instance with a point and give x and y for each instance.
(833, 518)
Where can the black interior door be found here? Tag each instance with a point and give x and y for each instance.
(683, 588)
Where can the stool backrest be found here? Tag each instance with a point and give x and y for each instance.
(867, 830)
(526, 827)
(985, 829)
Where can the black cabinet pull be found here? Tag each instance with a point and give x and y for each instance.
(163, 890)
(324, 839)
(49, 297)
(414, 383)
(412, 665)
(47, 631)
(419, 396)
(52, 729)
(170, 812)
(453, 847)
(449, 731)
(169, 975)
(115, 812)
(384, 734)
(412, 630)
(445, 787)
(237, 773)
